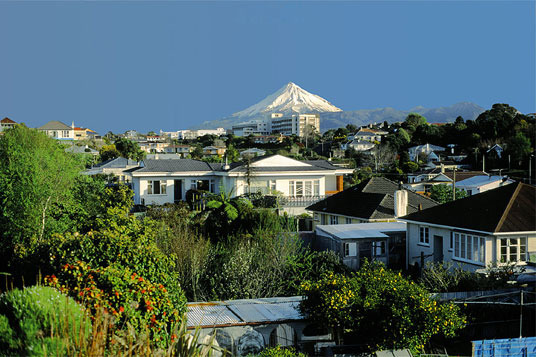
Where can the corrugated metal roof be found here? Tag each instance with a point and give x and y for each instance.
(244, 312)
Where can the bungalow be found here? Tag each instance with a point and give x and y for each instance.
(359, 145)
(383, 241)
(166, 181)
(373, 200)
(182, 150)
(58, 130)
(422, 182)
(421, 151)
(252, 152)
(496, 226)
(214, 150)
(6, 123)
(482, 183)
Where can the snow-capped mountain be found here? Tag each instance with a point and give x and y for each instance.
(287, 100)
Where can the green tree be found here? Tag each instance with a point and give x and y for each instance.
(415, 120)
(443, 193)
(108, 152)
(380, 308)
(518, 147)
(232, 154)
(129, 149)
(36, 176)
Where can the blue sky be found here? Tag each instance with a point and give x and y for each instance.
(172, 65)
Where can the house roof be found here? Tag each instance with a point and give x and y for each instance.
(480, 180)
(510, 208)
(363, 230)
(75, 149)
(55, 125)
(179, 165)
(117, 163)
(6, 120)
(371, 199)
(244, 312)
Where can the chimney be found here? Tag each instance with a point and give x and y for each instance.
(442, 168)
(226, 166)
(401, 203)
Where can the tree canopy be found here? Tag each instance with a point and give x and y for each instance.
(36, 177)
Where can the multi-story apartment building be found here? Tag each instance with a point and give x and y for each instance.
(296, 124)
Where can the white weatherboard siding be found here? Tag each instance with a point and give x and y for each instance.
(492, 246)
(141, 188)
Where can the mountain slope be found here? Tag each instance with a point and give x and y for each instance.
(288, 99)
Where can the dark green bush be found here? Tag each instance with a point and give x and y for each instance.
(40, 321)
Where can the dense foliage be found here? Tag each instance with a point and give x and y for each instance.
(380, 308)
(36, 178)
(40, 321)
(443, 193)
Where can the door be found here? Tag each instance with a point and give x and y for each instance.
(438, 248)
(177, 191)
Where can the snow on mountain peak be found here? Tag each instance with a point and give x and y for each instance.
(289, 99)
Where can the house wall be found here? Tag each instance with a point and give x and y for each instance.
(492, 252)
(319, 217)
(239, 184)
(140, 188)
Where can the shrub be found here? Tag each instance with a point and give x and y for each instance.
(380, 308)
(124, 294)
(40, 320)
(279, 351)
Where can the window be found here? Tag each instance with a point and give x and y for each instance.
(378, 248)
(272, 185)
(424, 235)
(514, 249)
(350, 250)
(469, 247)
(156, 187)
(202, 185)
(333, 219)
(324, 219)
(304, 188)
(65, 133)
(348, 220)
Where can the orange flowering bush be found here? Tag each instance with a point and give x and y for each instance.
(123, 294)
(383, 308)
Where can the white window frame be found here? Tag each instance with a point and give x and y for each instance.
(333, 219)
(151, 187)
(469, 248)
(304, 188)
(348, 220)
(424, 235)
(513, 246)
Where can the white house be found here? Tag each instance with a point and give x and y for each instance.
(496, 226)
(482, 183)
(252, 152)
(58, 130)
(166, 181)
(421, 151)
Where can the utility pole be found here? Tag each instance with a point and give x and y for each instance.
(454, 186)
(521, 316)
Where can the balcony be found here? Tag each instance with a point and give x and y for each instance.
(299, 201)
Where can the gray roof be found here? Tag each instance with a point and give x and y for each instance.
(117, 163)
(55, 125)
(75, 149)
(316, 165)
(180, 165)
(363, 230)
(371, 199)
(244, 312)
